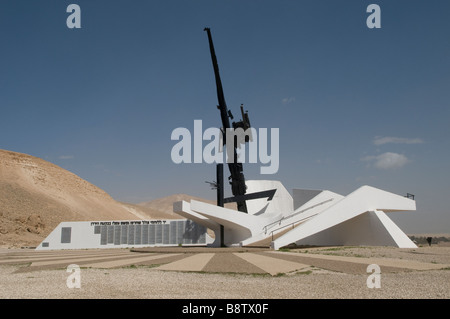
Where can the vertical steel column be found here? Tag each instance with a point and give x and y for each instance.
(220, 196)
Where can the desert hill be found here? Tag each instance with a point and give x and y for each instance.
(36, 195)
(165, 204)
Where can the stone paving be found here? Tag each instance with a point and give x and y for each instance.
(205, 259)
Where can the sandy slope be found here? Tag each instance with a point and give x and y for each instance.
(165, 204)
(35, 196)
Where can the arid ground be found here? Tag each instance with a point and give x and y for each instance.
(236, 273)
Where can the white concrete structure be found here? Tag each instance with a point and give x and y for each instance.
(125, 234)
(310, 217)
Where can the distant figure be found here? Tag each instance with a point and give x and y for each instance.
(429, 240)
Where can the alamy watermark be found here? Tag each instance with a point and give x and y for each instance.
(74, 279)
(374, 280)
(190, 148)
(74, 19)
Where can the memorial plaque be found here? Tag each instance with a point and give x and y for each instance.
(117, 234)
(189, 232)
(158, 233)
(173, 233)
(103, 235)
(151, 235)
(130, 234)
(66, 234)
(124, 234)
(138, 233)
(180, 231)
(166, 234)
(110, 230)
(145, 234)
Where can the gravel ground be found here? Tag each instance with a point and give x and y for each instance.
(432, 254)
(146, 282)
(153, 284)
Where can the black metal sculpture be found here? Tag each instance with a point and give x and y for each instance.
(236, 179)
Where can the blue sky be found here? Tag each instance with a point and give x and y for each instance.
(355, 106)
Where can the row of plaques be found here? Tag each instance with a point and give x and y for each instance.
(173, 233)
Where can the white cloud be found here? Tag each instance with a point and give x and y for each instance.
(288, 100)
(378, 140)
(387, 160)
(66, 157)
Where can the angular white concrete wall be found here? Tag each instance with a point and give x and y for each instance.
(241, 228)
(337, 224)
(281, 204)
(367, 229)
(320, 217)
